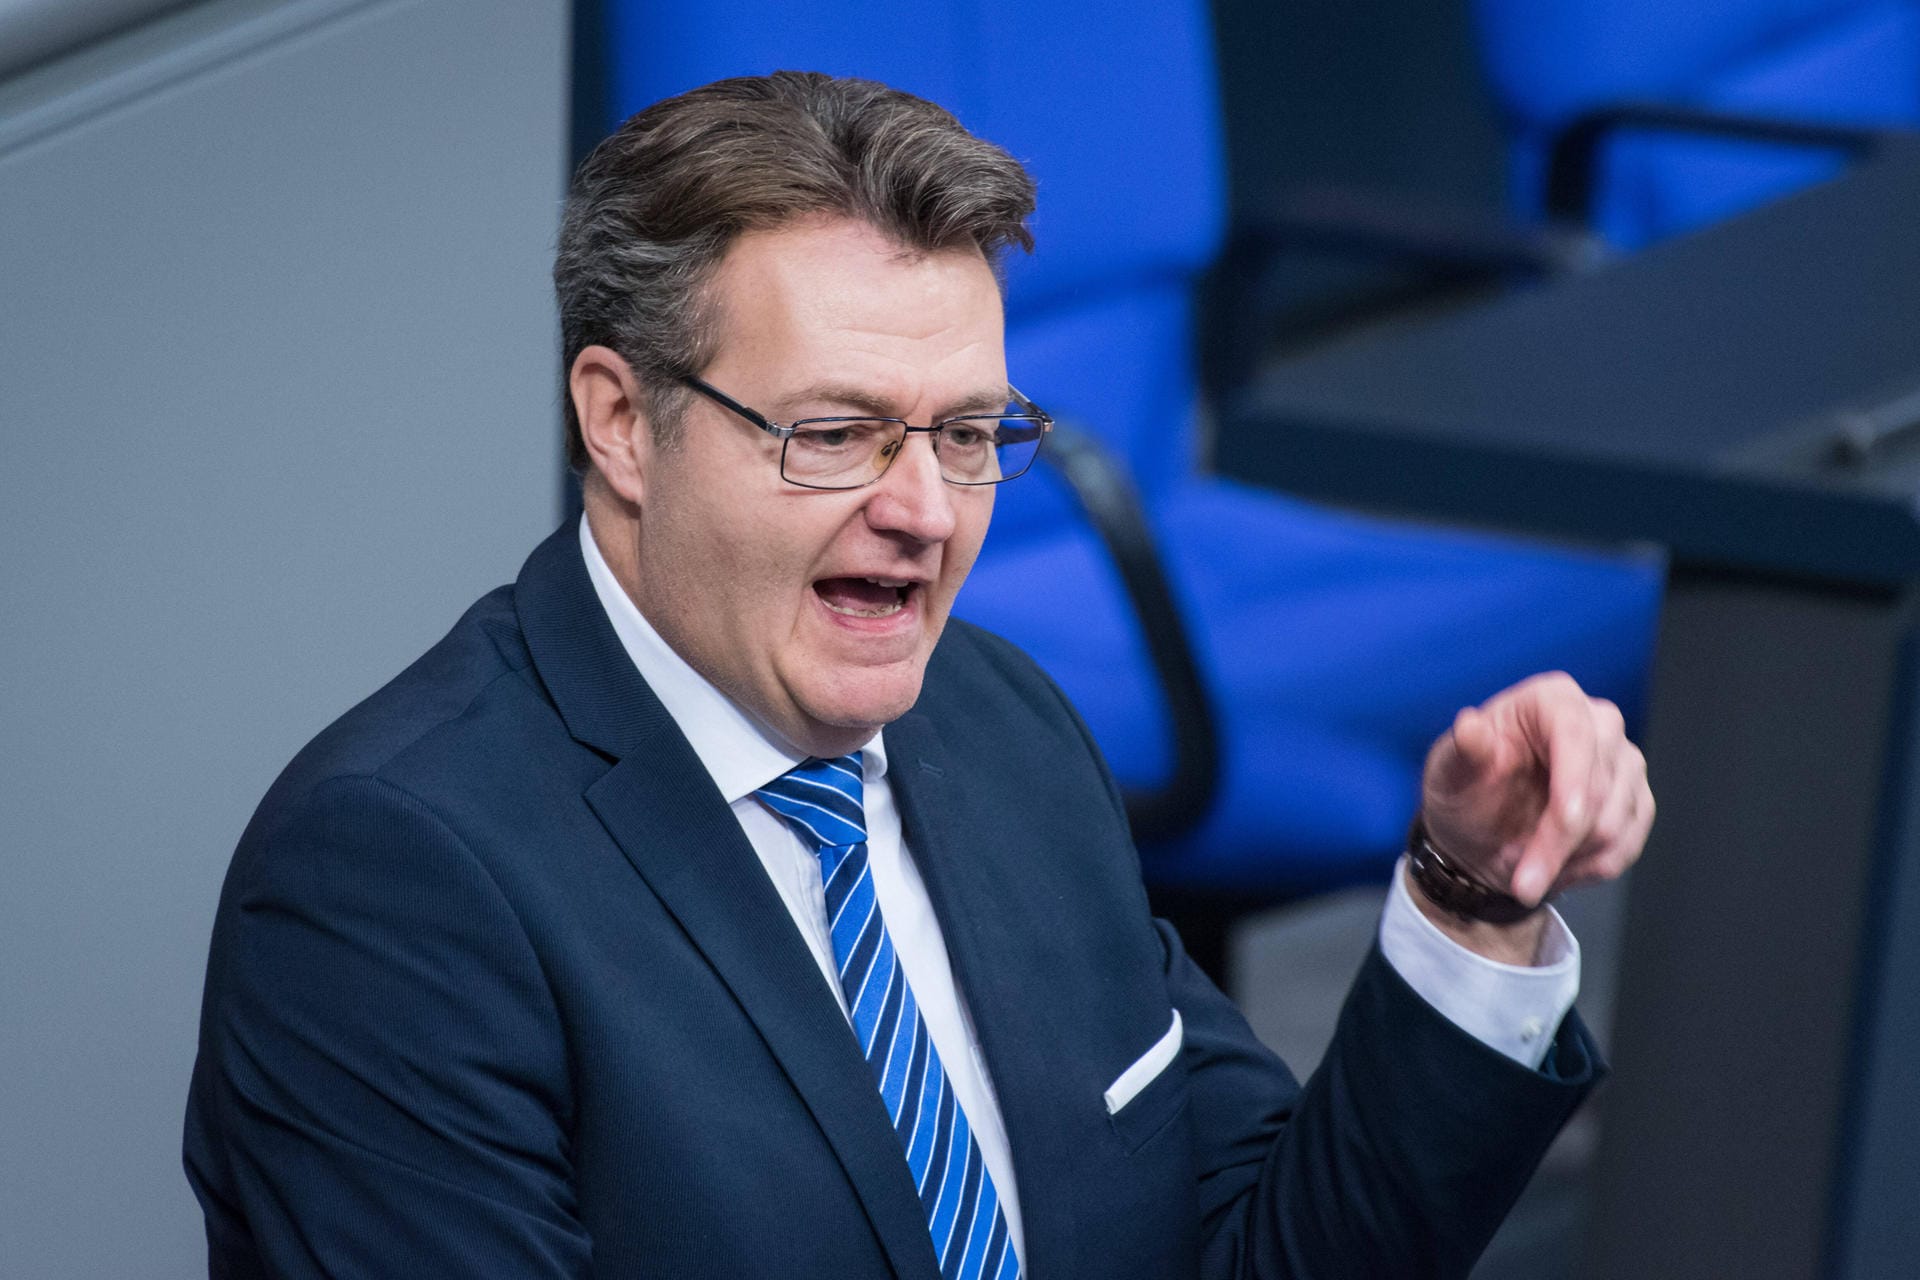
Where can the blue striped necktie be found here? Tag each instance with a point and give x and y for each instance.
(823, 801)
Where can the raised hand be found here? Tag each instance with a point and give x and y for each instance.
(1538, 790)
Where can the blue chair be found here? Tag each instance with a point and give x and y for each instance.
(1668, 116)
(1284, 666)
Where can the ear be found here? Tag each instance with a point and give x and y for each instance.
(606, 400)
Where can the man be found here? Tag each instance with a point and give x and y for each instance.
(705, 905)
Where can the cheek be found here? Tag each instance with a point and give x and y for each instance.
(750, 582)
(764, 576)
(721, 572)
(732, 541)
(963, 548)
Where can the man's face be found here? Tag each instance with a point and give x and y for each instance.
(817, 610)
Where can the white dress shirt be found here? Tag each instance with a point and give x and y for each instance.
(1510, 1008)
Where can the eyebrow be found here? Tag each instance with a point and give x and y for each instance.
(865, 402)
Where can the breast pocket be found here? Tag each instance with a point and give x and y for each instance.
(1150, 1092)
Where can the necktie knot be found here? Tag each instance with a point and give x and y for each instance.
(823, 800)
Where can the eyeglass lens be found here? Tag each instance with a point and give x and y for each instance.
(846, 453)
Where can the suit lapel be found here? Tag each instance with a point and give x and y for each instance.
(663, 811)
(687, 845)
(972, 873)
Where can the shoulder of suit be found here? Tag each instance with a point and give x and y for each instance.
(439, 702)
(971, 653)
(975, 673)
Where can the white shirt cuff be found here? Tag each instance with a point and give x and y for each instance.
(1514, 1009)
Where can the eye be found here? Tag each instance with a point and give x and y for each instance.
(961, 435)
(840, 437)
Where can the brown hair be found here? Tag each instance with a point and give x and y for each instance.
(656, 205)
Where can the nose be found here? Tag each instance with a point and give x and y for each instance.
(911, 498)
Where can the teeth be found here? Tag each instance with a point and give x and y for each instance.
(888, 611)
(889, 582)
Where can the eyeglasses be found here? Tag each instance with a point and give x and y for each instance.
(853, 452)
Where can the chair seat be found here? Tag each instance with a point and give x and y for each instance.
(1299, 611)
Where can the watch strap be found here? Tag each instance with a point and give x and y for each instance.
(1453, 889)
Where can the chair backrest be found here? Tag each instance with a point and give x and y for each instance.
(1830, 61)
(1113, 108)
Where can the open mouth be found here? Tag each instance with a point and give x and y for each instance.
(864, 597)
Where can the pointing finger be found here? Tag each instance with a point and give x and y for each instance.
(1620, 829)
(1564, 738)
(1611, 845)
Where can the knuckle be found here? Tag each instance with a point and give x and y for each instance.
(1605, 867)
(1621, 861)
(1546, 682)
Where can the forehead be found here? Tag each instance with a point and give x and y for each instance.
(831, 300)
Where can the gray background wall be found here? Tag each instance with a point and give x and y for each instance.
(276, 402)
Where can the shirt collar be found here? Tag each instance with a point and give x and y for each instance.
(740, 753)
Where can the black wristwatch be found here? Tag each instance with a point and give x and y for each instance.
(1453, 890)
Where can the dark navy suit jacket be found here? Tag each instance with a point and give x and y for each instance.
(499, 988)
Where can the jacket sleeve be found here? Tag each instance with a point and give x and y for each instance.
(382, 1084)
(1399, 1157)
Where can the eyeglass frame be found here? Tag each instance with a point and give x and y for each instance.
(784, 432)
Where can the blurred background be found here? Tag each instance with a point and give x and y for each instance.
(1405, 347)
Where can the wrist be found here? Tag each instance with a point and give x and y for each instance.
(1474, 914)
(1517, 943)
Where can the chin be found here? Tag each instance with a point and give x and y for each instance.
(864, 702)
